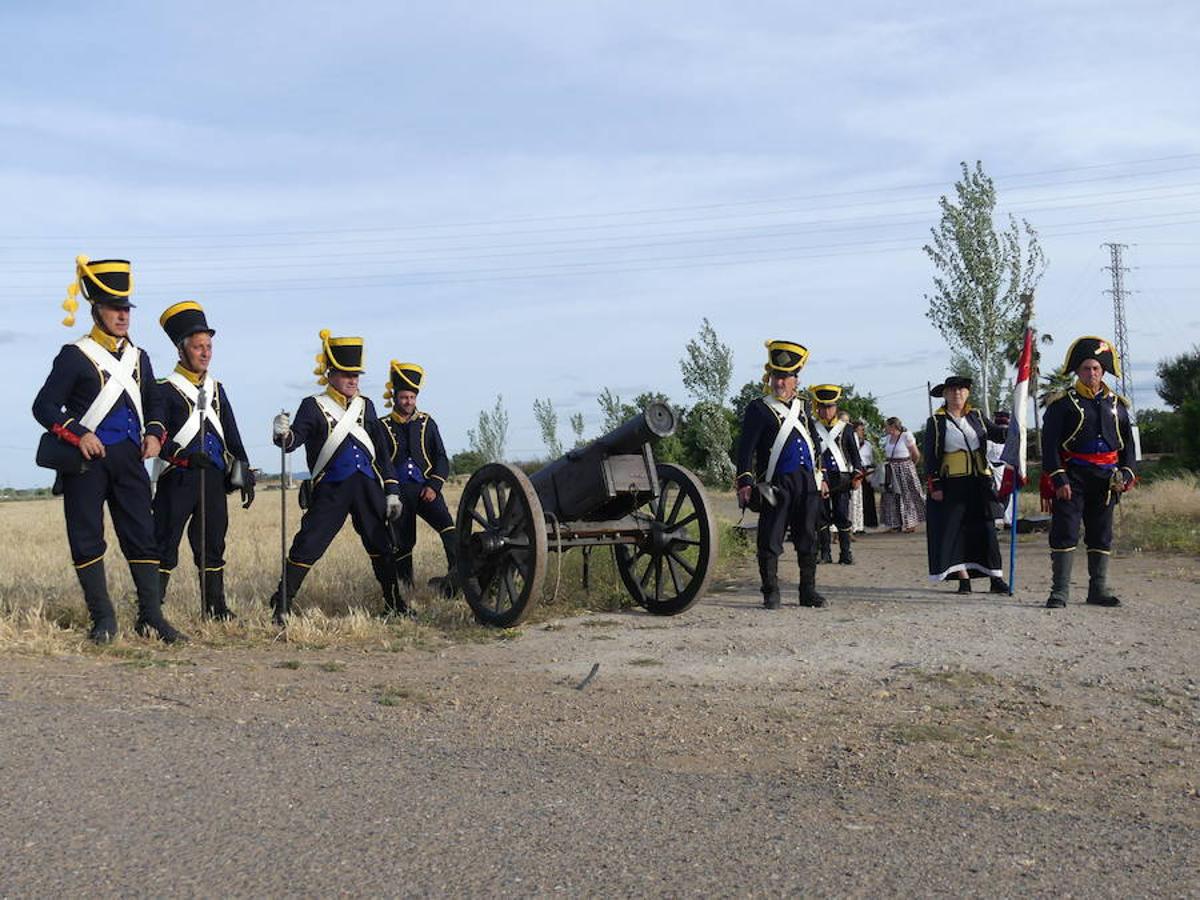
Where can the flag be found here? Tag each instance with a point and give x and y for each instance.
(1015, 443)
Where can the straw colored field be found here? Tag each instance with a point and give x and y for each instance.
(42, 611)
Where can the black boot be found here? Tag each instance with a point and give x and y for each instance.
(164, 579)
(386, 574)
(964, 585)
(824, 542)
(150, 617)
(99, 607)
(214, 597)
(845, 554)
(448, 585)
(281, 600)
(1060, 579)
(808, 583)
(997, 585)
(768, 572)
(404, 567)
(1098, 591)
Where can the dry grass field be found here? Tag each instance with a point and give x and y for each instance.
(42, 611)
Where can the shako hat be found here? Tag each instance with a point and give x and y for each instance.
(1096, 348)
(954, 381)
(345, 354)
(785, 357)
(107, 281)
(183, 320)
(824, 394)
(403, 376)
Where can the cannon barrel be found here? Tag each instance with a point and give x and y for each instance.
(583, 480)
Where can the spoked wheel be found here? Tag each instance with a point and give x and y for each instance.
(670, 569)
(502, 544)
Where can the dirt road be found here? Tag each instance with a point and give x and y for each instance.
(905, 740)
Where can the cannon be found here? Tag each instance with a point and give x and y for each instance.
(655, 516)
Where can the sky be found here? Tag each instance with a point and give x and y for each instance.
(545, 199)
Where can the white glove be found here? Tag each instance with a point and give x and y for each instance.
(395, 508)
(281, 425)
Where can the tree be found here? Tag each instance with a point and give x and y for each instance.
(1179, 386)
(490, 438)
(577, 428)
(982, 274)
(862, 407)
(612, 410)
(547, 419)
(1179, 378)
(707, 369)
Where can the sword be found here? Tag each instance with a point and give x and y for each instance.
(202, 408)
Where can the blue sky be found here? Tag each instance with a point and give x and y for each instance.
(544, 199)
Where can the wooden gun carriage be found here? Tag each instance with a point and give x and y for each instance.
(610, 492)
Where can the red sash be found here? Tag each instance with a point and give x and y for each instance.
(1106, 458)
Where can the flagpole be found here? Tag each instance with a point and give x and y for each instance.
(1012, 543)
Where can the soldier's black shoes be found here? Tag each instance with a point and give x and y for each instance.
(1056, 603)
(771, 599)
(103, 632)
(845, 554)
(825, 557)
(846, 559)
(964, 585)
(1103, 600)
(814, 601)
(160, 628)
(998, 585)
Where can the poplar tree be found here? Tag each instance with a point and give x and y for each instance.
(981, 273)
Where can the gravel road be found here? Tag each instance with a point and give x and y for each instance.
(906, 740)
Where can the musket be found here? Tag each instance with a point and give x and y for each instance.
(202, 409)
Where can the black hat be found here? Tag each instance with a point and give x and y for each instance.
(183, 320)
(1096, 348)
(403, 376)
(107, 281)
(785, 357)
(954, 381)
(345, 354)
(825, 394)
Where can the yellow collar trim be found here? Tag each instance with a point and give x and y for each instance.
(194, 377)
(104, 339)
(1087, 393)
(403, 420)
(337, 396)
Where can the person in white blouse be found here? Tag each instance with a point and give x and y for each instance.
(902, 507)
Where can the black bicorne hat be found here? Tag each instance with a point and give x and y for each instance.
(1096, 348)
(183, 320)
(954, 381)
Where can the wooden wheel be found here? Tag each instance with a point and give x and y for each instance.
(671, 568)
(502, 544)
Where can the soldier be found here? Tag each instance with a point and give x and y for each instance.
(219, 453)
(350, 469)
(779, 474)
(101, 399)
(842, 468)
(1088, 458)
(422, 466)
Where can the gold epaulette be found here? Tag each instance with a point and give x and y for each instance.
(1124, 401)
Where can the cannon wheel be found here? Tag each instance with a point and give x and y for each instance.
(502, 544)
(670, 570)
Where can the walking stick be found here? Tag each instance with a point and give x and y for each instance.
(283, 480)
(202, 408)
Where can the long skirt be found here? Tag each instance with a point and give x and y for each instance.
(961, 535)
(903, 505)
